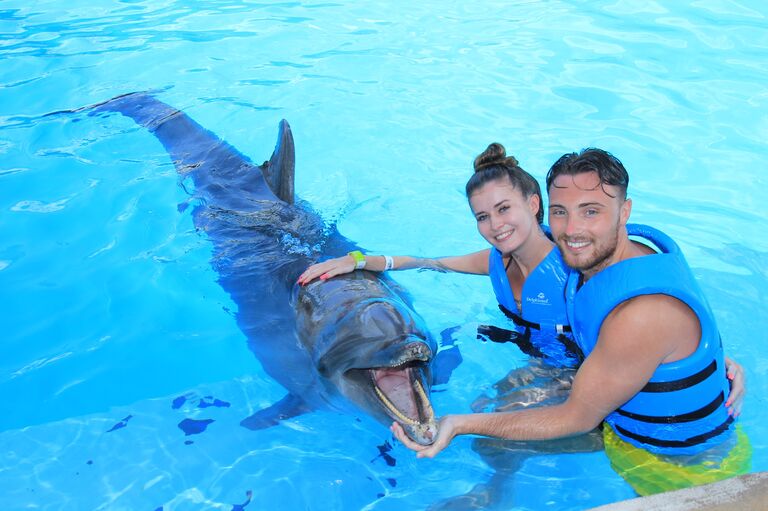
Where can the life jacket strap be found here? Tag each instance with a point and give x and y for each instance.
(682, 383)
(694, 440)
(523, 339)
(676, 419)
(530, 324)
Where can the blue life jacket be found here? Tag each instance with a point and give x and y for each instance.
(542, 329)
(680, 410)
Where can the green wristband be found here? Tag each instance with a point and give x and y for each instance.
(359, 259)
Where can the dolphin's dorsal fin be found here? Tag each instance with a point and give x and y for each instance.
(279, 170)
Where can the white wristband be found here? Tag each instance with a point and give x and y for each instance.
(389, 263)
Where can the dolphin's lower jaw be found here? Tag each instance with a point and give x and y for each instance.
(401, 391)
(403, 394)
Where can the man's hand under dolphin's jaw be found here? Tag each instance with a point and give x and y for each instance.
(446, 430)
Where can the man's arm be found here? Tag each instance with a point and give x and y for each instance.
(634, 340)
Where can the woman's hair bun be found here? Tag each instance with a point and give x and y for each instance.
(494, 155)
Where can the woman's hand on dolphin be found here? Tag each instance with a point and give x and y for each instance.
(446, 431)
(327, 269)
(738, 387)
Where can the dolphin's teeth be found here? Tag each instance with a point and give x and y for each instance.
(423, 396)
(393, 408)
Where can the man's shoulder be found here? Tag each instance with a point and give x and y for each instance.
(654, 316)
(652, 308)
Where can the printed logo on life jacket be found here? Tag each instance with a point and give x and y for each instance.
(539, 299)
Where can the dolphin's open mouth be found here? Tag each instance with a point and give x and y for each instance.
(392, 382)
(402, 393)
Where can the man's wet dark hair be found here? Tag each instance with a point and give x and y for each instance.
(493, 164)
(608, 168)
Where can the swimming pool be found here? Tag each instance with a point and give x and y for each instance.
(116, 331)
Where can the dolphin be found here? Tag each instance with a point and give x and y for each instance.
(350, 343)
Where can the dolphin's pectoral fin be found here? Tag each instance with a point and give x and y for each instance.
(444, 363)
(279, 170)
(290, 406)
(448, 358)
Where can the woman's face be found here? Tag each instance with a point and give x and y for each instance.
(504, 217)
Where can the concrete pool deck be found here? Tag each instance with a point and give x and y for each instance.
(744, 493)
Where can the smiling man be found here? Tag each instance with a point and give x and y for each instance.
(654, 373)
(646, 326)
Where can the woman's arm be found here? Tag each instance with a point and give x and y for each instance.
(474, 263)
(738, 386)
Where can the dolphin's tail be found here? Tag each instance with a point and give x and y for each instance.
(188, 144)
(142, 107)
(222, 175)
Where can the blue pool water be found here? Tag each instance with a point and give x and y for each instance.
(123, 375)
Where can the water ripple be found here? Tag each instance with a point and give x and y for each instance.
(389, 104)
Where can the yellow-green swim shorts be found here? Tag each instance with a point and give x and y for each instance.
(649, 473)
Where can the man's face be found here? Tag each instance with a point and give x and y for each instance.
(586, 219)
